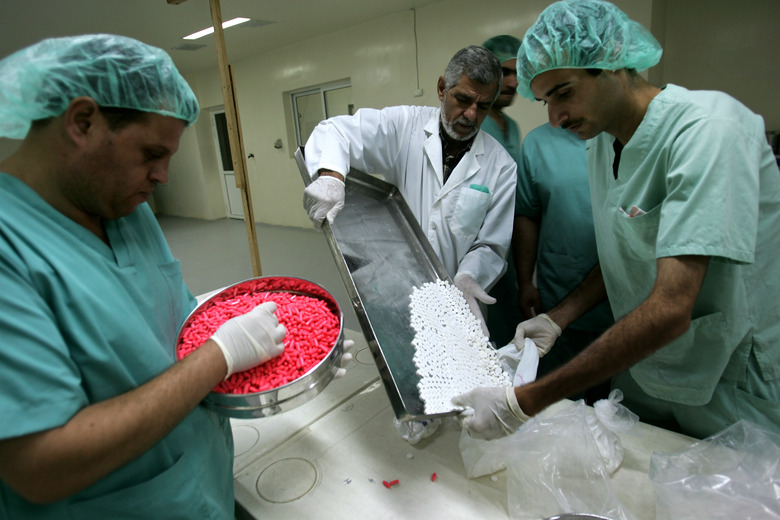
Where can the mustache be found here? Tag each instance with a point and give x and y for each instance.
(569, 124)
(464, 122)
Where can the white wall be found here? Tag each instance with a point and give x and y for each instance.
(727, 45)
(708, 44)
(379, 58)
(194, 185)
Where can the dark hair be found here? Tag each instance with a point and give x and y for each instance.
(596, 72)
(118, 118)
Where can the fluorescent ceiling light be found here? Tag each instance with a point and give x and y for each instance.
(209, 30)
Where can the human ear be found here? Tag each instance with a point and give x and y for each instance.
(80, 117)
(441, 88)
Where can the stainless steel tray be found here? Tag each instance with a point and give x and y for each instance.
(382, 254)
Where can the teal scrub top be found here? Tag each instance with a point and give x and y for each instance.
(701, 173)
(510, 141)
(83, 322)
(552, 185)
(504, 315)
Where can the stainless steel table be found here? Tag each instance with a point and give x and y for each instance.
(328, 458)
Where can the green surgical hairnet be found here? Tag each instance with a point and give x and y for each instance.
(40, 81)
(583, 34)
(503, 46)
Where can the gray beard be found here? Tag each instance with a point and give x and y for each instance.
(450, 131)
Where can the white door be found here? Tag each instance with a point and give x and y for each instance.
(233, 203)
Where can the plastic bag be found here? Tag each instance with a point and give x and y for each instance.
(481, 457)
(613, 415)
(607, 423)
(415, 431)
(732, 474)
(610, 419)
(554, 466)
(521, 365)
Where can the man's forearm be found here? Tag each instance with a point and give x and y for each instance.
(51, 465)
(664, 316)
(627, 342)
(583, 298)
(525, 242)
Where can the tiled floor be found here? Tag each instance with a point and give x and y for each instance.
(215, 253)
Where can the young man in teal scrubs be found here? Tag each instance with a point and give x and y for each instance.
(686, 205)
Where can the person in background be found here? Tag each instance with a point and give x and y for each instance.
(502, 127)
(554, 235)
(686, 206)
(458, 181)
(99, 420)
(503, 315)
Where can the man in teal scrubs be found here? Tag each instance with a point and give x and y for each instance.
(686, 205)
(554, 236)
(503, 315)
(99, 420)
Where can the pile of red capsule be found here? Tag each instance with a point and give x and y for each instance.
(312, 331)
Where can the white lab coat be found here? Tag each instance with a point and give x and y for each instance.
(470, 230)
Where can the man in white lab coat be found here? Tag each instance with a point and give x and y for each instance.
(458, 181)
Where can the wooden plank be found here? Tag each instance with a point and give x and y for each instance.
(234, 135)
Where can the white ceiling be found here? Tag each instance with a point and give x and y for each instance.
(24, 22)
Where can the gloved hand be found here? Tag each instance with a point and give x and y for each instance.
(346, 357)
(250, 339)
(472, 292)
(323, 199)
(541, 329)
(490, 413)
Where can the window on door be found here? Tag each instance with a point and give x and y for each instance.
(223, 144)
(234, 205)
(314, 104)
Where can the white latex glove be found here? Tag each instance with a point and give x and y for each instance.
(541, 329)
(323, 199)
(346, 357)
(250, 339)
(490, 413)
(472, 292)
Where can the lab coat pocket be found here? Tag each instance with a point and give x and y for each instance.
(687, 369)
(470, 211)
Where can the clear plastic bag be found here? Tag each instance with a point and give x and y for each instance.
(607, 423)
(554, 466)
(481, 457)
(613, 415)
(415, 431)
(732, 474)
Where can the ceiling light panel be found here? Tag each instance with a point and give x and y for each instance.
(209, 30)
